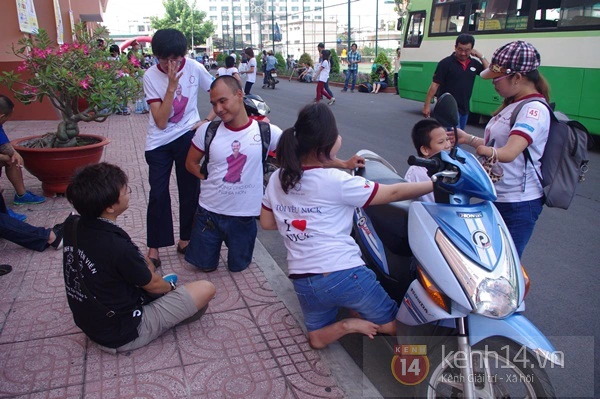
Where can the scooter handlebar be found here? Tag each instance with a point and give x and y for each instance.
(433, 165)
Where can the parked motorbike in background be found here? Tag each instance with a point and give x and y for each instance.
(454, 271)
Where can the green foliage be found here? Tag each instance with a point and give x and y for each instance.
(179, 15)
(305, 59)
(335, 62)
(281, 64)
(67, 73)
(221, 59)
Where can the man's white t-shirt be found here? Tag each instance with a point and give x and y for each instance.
(315, 218)
(520, 182)
(195, 77)
(251, 76)
(227, 71)
(324, 74)
(239, 198)
(417, 174)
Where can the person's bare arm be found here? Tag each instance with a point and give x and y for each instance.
(513, 148)
(192, 162)
(356, 161)
(267, 220)
(161, 110)
(157, 285)
(430, 93)
(401, 191)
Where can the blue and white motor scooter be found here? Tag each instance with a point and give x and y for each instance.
(453, 268)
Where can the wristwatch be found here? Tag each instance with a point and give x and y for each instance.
(173, 286)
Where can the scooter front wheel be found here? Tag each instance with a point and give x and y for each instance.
(501, 368)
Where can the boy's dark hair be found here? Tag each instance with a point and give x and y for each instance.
(230, 81)
(229, 62)
(314, 130)
(421, 133)
(95, 188)
(114, 49)
(250, 52)
(321, 45)
(465, 38)
(6, 105)
(168, 43)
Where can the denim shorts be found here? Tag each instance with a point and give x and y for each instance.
(211, 230)
(321, 296)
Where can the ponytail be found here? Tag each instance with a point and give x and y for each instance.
(288, 156)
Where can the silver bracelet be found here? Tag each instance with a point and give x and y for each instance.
(472, 139)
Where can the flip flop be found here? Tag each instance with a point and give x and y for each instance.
(156, 262)
(181, 250)
(5, 269)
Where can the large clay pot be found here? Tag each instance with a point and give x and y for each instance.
(54, 167)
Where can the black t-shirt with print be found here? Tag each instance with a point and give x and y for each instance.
(453, 78)
(113, 269)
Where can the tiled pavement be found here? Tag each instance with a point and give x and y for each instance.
(250, 344)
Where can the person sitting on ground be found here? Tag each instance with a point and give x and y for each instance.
(26, 235)
(429, 138)
(324, 262)
(13, 163)
(308, 74)
(112, 288)
(229, 69)
(380, 83)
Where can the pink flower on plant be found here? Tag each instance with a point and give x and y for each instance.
(22, 67)
(84, 84)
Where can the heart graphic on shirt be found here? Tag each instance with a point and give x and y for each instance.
(299, 224)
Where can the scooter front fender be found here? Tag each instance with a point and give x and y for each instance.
(516, 328)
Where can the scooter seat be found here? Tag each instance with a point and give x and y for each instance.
(389, 220)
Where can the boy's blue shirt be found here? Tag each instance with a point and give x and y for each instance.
(3, 138)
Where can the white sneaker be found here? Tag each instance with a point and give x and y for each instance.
(331, 101)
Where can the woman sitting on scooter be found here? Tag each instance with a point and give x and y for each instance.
(514, 73)
(312, 208)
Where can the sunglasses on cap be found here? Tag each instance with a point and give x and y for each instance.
(498, 69)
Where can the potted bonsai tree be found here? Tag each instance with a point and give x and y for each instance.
(83, 85)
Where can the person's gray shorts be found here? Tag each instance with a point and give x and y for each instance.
(159, 316)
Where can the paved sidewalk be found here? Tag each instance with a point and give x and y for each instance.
(250, 344)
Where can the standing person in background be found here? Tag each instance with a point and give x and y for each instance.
(320, 48)
(397, 67)
(456, 74)
(167, 142)
(515, 76)
(323, 77)
(354, 59)
(251, 71)
(344, 55)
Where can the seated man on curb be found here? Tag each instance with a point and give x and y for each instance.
(13, 163)
(115, 294)
(26, 235)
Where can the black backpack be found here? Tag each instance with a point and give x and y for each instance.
(211, 131)
(365, 87)
(565, 158)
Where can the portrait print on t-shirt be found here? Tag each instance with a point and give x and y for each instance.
(179, 104)
(235, 164)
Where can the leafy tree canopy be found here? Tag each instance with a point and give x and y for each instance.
(179, 15)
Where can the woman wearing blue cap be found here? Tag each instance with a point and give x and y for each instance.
(514, 73)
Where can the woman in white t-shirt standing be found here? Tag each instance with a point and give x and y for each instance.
(250, 71)
(230, 69)
(312, 208)
(514, 73)
(323, 76)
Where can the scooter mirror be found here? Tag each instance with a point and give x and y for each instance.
(446, 110)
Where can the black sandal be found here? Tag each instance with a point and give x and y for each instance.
(5, 269)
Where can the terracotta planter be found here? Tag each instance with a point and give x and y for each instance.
(54, 167)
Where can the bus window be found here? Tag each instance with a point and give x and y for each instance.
(503, 15)
(575, 13)
(415, 29)
(448, 18)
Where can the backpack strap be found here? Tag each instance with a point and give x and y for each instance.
(265, 137)
(211, 131)
(513, 119)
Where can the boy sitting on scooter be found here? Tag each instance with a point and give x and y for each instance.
(429, 138)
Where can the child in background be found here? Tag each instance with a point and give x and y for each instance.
(429, 138)
(312, 208)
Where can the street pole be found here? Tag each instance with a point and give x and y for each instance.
(287, 29)
(273, 25)
(233, 24)
(349, 29)
(304, 30)
(376, 26)
(324, 22)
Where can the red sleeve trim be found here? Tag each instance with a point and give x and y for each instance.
(266, 208)
(196, 147)
(522, 134)
(372, 195)
(154, 100)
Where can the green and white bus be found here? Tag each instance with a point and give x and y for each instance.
(565, 32)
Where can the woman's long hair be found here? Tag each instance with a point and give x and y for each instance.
(541, 85)
(316, 132)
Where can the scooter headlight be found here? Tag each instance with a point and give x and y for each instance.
(492, 293)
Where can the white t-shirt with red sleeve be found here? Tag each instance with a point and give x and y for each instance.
(520, 182)
(185, 111)
(234, 186)
(315, 218)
